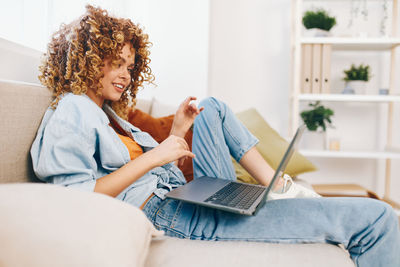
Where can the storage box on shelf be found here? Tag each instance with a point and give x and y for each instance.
(303, 49)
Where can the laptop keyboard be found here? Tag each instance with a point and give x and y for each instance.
(236, 195)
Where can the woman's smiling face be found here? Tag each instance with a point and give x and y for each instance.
(116, 78)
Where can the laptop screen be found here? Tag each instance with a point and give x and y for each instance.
(287, 156)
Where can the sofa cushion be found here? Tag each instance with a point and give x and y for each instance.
(22, 106)
(196, 253)
(271, 146)
(47, 225)
(161, 108)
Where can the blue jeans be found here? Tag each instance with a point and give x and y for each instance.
(367, 228)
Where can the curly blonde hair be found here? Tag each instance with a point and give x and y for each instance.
(76, 53)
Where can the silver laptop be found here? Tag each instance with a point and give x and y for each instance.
(230, 195)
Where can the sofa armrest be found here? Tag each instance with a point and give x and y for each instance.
(47, 225)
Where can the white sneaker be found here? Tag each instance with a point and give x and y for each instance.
(292, 190)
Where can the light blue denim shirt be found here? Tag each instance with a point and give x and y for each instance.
(75, 146)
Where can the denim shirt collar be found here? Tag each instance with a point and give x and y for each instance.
(107, 110)
(142, 138)
(125, 125)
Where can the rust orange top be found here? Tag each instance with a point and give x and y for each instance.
(134, 149)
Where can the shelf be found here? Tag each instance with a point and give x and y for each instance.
(343, 43)
(349, 98)
(350, 154)
(343, 190)
(340, 0)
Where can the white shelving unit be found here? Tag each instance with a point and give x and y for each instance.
(341, 43)
(349, 98)
(346, 44)
(351, 154)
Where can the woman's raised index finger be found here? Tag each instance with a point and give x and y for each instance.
(188, 99)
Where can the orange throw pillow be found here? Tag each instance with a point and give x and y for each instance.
(159, 129)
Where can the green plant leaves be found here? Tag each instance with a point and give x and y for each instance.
(317, 117)
(318, 19)
(360, 73)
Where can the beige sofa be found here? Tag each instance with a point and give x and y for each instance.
(47, 225)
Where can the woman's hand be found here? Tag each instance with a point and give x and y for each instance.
(184, 117)
(173, 148)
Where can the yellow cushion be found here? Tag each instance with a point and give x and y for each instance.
(271, 146)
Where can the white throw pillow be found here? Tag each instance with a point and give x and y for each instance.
(47, 225)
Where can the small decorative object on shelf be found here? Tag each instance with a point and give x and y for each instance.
(356, 79)
(318, 23)
(383, 91)
(317, 119)
(334, 144)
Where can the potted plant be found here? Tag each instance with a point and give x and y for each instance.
(316, 119)
(318, 23)
(356, 79)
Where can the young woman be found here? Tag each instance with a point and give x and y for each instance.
(94, 67)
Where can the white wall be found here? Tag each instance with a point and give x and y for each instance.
(19, 62)
(32, 22)
(249, 56)
(179, 31)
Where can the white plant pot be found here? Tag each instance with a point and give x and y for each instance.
(314, 140)
(359, 87)
(315, 32)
